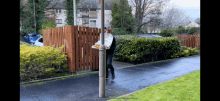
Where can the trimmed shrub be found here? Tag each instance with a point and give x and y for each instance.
(35, 61)
(133, 49)
(185, 51)
(167, 33)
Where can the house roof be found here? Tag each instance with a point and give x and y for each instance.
(93, 4)
(55, 4)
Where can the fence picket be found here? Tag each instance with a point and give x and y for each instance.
(94, 50)
(91, 50)
(77, 46)
(87, 48)
(73, 47)
(80, 48)
(84, 49)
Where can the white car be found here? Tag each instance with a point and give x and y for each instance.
(39, 42)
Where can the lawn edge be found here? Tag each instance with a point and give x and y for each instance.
(147, 87)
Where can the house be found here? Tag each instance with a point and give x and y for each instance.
(89, 13)
(192, 24)
(56, 11)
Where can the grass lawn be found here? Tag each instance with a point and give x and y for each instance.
(183, 88)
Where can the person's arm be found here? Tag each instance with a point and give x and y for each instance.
(113, 46)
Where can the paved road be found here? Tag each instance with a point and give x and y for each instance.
(127, 80)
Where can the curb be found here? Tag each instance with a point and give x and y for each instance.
(55, 78)
(128, 94)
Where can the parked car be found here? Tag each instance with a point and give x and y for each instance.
(149, 36)
(39, 41)
(31, 38)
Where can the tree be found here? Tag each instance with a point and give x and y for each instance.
(174, 17)
(122, 18)
(69, 11)
(115, 16)
(145, 8)
(197, 21)
(27, 15)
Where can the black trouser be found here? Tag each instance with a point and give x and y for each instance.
(109, 59)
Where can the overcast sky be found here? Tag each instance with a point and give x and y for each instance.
(191, 7)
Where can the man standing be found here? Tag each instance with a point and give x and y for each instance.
(109, 57)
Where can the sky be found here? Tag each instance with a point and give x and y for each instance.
(191, 7)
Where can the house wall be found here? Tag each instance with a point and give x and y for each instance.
(62, 16)
(50, 13)
(107, 17)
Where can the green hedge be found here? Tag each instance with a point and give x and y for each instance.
(132, 48)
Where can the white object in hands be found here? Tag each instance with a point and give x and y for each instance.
(108, 40)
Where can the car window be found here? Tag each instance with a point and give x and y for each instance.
(41, 40)
(33, 36)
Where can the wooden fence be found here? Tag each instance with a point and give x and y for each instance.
(77, 45)
(190, 40)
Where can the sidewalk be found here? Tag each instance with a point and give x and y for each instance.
(127, 80)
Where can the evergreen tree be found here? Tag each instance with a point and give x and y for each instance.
(122, 18)
(27, 15)
(69, 11)
(115, 16)
(130, 22)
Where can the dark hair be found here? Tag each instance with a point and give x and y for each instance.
(105, 28)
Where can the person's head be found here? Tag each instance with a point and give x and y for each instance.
(106, 30)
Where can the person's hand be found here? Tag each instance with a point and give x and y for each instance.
(107, 47)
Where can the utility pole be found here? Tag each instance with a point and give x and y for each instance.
(34, 17)
(74, 11)
(102, 57)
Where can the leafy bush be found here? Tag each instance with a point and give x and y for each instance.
(119, 31)
(188, 30)
(167, 33)
(46, 25)
(191, 30)
(35, 61)
(185, 51)
(133, 49)
(180, 30)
